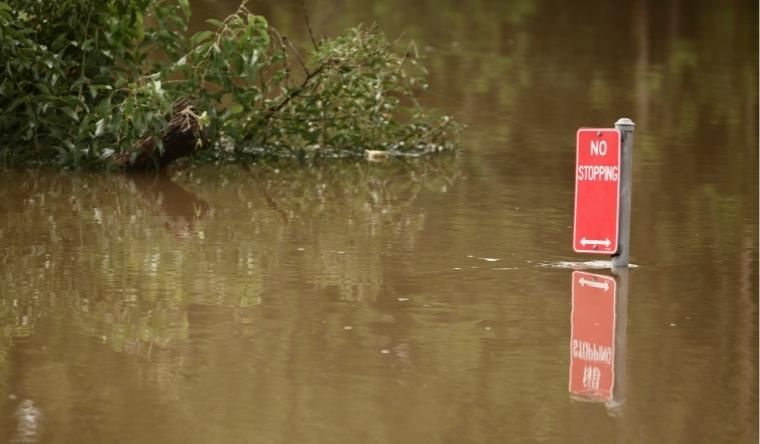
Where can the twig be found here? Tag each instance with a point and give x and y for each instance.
(291, 95)
(298, 56)
(84, 54)
(284, 50)
(294, 93)
(308, 25)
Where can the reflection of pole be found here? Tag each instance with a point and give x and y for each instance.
(621, 257)
(615, 405)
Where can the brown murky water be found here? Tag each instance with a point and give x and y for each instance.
(425, 301)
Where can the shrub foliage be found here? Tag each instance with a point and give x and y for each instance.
(86, 82)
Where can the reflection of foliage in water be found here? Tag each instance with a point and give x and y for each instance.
(346, 214)
(125, 256)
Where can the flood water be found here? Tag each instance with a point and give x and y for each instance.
(419, 301)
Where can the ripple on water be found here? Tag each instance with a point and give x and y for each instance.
(581, 265)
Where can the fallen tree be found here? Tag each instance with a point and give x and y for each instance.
(88, 83)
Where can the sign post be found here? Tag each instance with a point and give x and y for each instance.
(602, 217)
(621, 257)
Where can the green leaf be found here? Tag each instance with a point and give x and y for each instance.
(71, 113)
(215, 23)
(200, 37)
(235, 109)
(100, 127)
(185, 5)
(16, 102)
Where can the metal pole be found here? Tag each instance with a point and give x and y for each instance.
(621, 257)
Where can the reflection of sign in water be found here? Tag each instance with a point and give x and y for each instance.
(597, 191)
(592, 336)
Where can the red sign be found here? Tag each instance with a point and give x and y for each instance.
(597, 191)
(592, 336)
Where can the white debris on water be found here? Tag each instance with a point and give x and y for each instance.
(403, 299)
(385, 351)
(348, 327)
(375, 155)
(489, 259)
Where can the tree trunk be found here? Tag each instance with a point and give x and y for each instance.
(182, 136)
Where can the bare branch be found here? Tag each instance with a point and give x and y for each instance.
(296, 92)
(308, 24)
(298, 56)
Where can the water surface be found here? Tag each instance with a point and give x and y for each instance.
(418, 301)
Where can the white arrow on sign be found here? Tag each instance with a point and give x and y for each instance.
(586, 242)
(601, 285)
